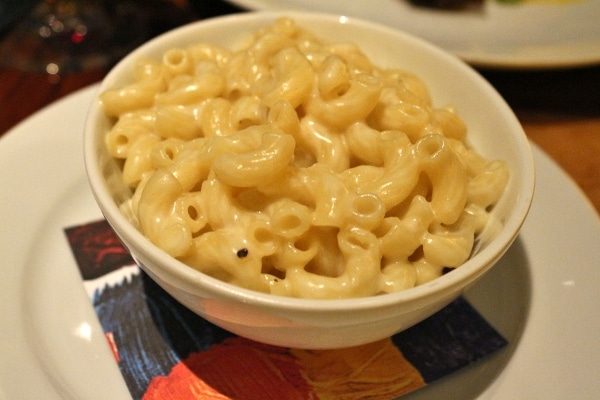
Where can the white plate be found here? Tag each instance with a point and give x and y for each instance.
(542, 295)
(540, 34)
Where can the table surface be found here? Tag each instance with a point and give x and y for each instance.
(559, 109)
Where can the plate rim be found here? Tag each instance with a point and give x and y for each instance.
(21, 136)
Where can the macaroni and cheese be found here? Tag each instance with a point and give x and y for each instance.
(298, 167)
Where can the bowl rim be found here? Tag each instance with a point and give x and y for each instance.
(189, 277)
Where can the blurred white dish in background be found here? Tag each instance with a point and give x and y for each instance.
(522, 35)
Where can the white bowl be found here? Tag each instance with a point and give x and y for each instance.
(300, 323)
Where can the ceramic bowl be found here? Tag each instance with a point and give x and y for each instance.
(319, 324)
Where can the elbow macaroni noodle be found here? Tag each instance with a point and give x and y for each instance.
(298, 167)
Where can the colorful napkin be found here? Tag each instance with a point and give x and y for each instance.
(164, 351)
